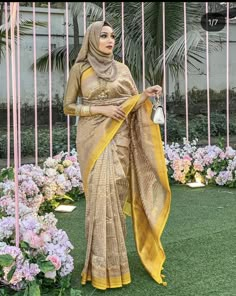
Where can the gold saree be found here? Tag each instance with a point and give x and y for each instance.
(123, 170)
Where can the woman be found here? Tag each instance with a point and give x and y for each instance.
(122, 162)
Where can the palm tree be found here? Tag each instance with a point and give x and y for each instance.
(24, 26)
(153, 37)
(174, 28)
(58, 55)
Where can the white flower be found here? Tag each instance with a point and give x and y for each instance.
(50, 172)
(50, 274)
(50, 162)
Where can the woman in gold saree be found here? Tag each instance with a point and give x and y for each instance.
(122, 162)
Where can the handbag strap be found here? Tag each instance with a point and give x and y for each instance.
(157, 102)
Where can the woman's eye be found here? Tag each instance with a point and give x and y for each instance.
(103, 35)
(113, 36)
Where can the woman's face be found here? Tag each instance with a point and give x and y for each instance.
(107, 40)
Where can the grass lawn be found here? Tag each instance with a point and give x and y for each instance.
(199, 241)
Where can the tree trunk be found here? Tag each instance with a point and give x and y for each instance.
(76, 35)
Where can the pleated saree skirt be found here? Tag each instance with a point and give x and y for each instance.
(106, 263)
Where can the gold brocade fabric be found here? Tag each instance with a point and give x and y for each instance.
(123, 170)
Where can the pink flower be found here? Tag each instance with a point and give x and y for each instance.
(55, 261)
(198, 166)
(187, 157)
(222, 155)
(58, 156)
(33, 239)
(16, 278)
(71, 158)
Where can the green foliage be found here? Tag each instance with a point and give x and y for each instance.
(175, 129)
(45, 265)
(7, 173)
(59, 136)
(6, 260)
(74, 292)
(198, 126)
(10, 273)
(49, 205)
(34, 289)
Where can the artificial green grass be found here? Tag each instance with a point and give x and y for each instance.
(199, 241)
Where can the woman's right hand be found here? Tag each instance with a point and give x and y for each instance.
(111, 111)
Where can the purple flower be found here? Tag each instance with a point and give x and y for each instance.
(224, 177)
(30, 223)
(7, 227)
(29, 270)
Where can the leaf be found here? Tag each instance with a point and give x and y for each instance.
(46, 266)
(34, 289)
(24, 245)
(26, 291)
(10, 273)
(58, 59)
(7, 173)
(63, 197)
(20, 293)
(6, 260)
(74, 292)
(65, 282)
(2, 292)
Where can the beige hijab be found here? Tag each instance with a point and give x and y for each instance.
(89, 55)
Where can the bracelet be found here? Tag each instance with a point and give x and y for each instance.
(81, 110)
(85, 111)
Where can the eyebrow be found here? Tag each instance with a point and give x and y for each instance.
(106, 32)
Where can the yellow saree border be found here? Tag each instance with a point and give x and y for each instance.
(104, 283)
(87, 72)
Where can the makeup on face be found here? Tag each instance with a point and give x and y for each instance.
(106, 40)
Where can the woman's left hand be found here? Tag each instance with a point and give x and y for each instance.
(155, 90)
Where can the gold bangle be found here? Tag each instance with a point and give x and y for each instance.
(85, 111)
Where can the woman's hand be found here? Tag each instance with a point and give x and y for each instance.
(111, 111)
(155, 90)
(114, 112)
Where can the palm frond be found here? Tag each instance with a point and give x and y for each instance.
(58, 59)
(24, 27)
(196, 51)
(93, 11)
(153, 24)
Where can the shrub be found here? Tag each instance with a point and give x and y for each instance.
(59, 138)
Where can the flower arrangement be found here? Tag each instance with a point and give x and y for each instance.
(209, 164)
(62, 179)
(42, 189)
(42, 258)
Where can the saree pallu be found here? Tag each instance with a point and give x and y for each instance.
(124, 172)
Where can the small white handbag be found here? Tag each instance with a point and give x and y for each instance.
(157, 115)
